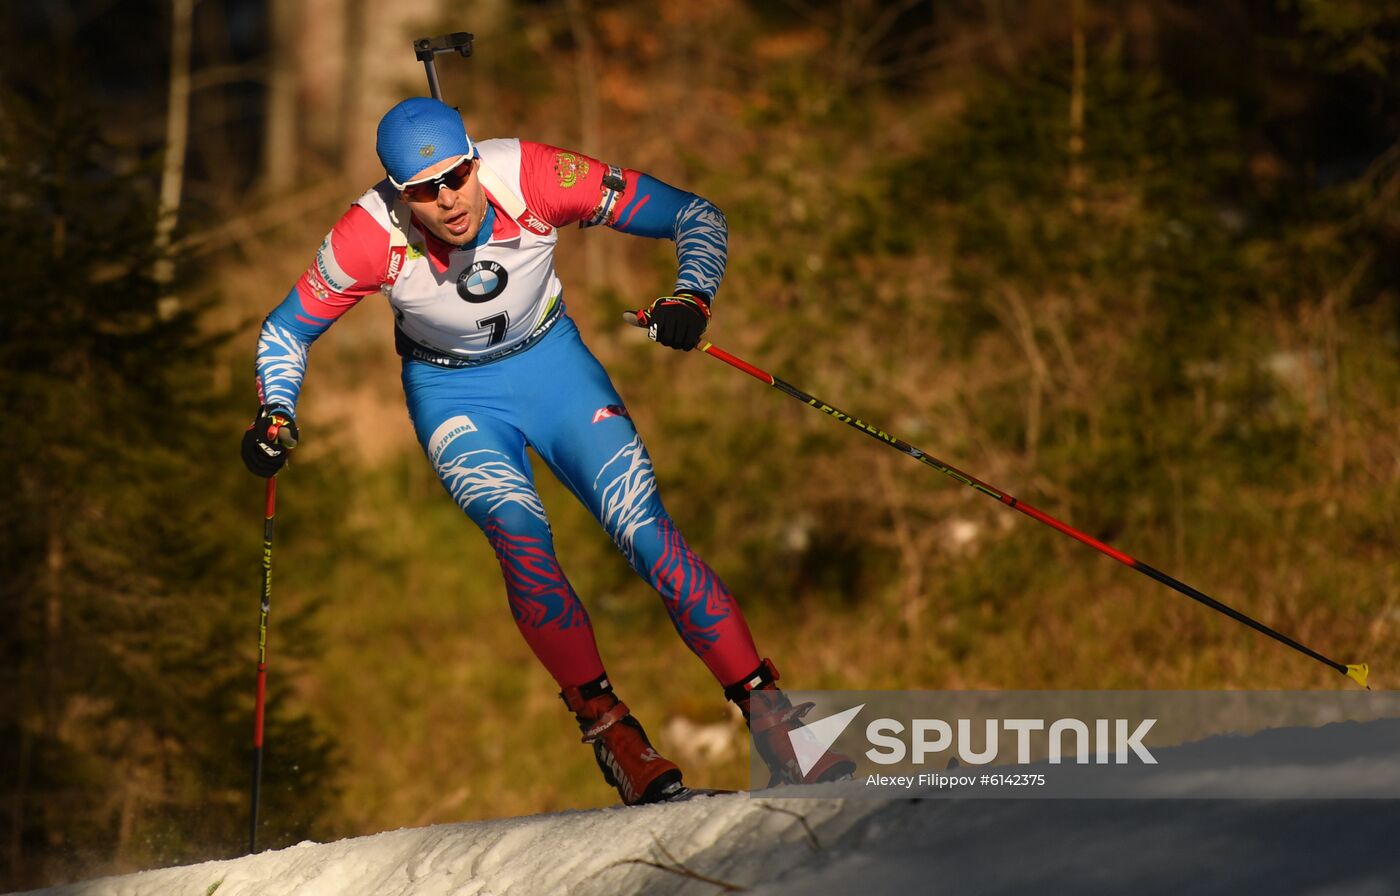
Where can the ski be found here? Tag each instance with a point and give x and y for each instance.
(690, 793)
(683, 794)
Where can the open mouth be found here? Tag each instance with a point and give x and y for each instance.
(458, 224)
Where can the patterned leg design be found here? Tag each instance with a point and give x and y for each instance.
(547, 611)
(493, 489)
(703, 611)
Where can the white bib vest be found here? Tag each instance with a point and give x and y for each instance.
(492, 299)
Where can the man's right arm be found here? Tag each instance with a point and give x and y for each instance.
(353, 262)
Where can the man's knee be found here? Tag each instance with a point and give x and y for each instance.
(514, 522)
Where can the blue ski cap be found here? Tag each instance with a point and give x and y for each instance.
(418, 133)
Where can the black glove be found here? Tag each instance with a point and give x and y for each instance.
(269, 440)
(677, 321)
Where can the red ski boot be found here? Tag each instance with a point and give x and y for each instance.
(771, 717)
(625, 756)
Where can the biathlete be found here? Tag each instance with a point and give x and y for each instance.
(460, 237)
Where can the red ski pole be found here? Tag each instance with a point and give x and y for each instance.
(260, 701)
(1356, 671)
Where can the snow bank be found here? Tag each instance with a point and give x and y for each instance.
(830, 845)
(603, 851)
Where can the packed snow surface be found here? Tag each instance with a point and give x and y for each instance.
(778, 846)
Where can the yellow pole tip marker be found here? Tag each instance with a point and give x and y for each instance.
(1358, 674)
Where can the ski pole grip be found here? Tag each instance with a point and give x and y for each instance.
(282, 435)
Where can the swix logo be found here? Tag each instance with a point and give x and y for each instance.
(612, 410)
(533, 224)
(396, 257)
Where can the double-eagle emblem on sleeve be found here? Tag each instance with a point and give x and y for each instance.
(570, 168)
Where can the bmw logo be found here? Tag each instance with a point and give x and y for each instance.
(482, 282)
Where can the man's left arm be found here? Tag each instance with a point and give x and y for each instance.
(566, 187)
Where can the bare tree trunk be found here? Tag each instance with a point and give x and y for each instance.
(49, 699)
(177, 127)
(586, 67)
(598, 253)
(352, 80)
(996, 17)
(126, 816)
(280, 134)
(327, 69)
(487, 72)
(18, 799)
(389, 72)
(1076, 112)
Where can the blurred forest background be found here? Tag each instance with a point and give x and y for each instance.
(1134, 262)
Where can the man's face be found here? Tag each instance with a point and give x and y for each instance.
(452, 215)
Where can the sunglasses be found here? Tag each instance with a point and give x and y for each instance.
(426, 190)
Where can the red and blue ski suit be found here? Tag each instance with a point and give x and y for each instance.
(493, 363)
